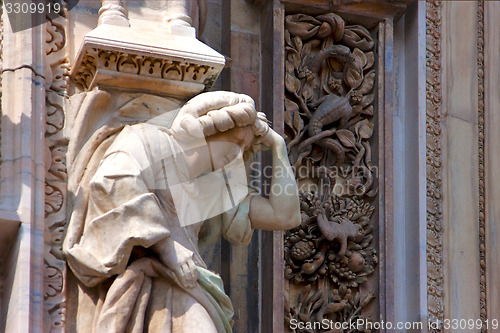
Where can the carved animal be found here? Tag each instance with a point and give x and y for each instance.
(340, 229)
(340, 52)
(314, 64)
(333, 108)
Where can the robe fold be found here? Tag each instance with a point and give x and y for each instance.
(122, 207)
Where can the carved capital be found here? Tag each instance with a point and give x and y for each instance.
(128, 58)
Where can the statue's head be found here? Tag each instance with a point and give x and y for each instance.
(225, 120)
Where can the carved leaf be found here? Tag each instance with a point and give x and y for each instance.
(292, 84)
(356, 109)
(306, 50)
(318, 303)
(298, 43)
(370, 297)
(288, 40)
(335, 307)
(346, 137)
(364, 129)
(57, 318)
(367, 99)
(360, 57)
(368, 82)
(353, 78)
(57, 235)
(290, 69)
(305, 293)
(370, 60)
(292, 116)
(293, 58)
(368, 111)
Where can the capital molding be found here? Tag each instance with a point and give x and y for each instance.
(143, 60)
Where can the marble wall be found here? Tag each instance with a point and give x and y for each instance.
(453, 257)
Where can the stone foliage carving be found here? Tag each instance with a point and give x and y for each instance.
(56, 82)
(329, 81)
(434, 163)
(481, 161)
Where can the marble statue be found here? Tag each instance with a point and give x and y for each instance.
(133, 240)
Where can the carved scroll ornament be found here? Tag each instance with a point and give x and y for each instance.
(56, 73)
(435, 292)
(329, 80)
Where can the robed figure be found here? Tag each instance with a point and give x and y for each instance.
(150, 184)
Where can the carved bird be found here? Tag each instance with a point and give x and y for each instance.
(339, 229)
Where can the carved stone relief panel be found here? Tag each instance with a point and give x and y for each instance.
(434, 164)
(330, 82)
(56, 74)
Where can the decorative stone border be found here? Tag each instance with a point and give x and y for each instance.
(434, 164)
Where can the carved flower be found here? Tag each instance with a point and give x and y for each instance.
(307, 74)
(356, 97)
(335, 84)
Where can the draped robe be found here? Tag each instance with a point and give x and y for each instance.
(122, 207)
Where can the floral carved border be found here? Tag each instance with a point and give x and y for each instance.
(481, 135)
(434, 162)
(56, 81)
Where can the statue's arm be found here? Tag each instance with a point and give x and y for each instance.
(282, 209)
